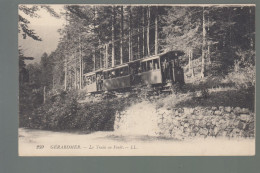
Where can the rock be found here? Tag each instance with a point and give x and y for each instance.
(175, 122)
(216, 130)
(197, 122)
(221, 107)
(214, 108)
(195, 129)
(210, 112)
(232, 115)
(223, 126)
(244, 111)
(208, 125)
(228, 109)
(188, 110)
(203, 131)
(246, 128)
(186, 125)
(200, 116)
(241, 125)
(211, 132)
(245, 117)
(236, 130)
(217, 112)
(222, 133)
(236, 122)
(213, 122)
(251, 126)
(237, 110)
(226, 116)
(180, 110)
(202, 123)
(181, 128)
(193, 116)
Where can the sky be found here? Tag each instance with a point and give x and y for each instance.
(46, 27)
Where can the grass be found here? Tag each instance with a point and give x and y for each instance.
(243, 98)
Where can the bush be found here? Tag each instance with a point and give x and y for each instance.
(243, 77)
(65, 113)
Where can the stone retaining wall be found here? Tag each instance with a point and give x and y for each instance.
(207, 122)
(220, 121)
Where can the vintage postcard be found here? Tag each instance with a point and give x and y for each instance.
(136, 80)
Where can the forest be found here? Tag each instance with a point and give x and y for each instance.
(218, 42)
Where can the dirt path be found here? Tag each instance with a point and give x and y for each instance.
(48, 143)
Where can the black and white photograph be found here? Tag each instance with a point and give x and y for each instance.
(136, 80)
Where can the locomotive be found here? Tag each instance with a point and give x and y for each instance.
(159, 69)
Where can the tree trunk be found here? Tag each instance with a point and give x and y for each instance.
(75, 72)
(143, 32)
(138, 40)
(65, 63)
(209, 57)
(148, 31)
(208, 43)
(203, 46)
(130, 35)
(100, 58)
(44, 94)
(156, 32)
(94, 60)
(122, 35)
(65, 75)
(106, 55)
(113, 37)
(80, 65)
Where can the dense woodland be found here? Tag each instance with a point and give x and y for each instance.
(217, 41)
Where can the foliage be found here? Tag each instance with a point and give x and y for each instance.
(243, 73)
(63, 112)
(26, 11)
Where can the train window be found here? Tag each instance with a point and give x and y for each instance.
(93, 78)
(117, 73)
(155, 64)
(88, 80)
(149, 65)
(143, 64)
(112, 74)
(105, 75)
(125, 71)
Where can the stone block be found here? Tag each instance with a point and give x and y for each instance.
(237, 110)
(186, 125)
(228, 109)
(217, 112)
(203, 131)
(214, 108)
(245, 117)
(221, 107)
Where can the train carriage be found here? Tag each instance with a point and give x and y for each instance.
(116, 78)
(90, 82)
(157, 69)
(146, 71)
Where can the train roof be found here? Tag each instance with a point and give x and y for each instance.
(175, 54)
(89, 74)
(92, 73)
(116, 67)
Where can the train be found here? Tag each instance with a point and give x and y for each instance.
(159, 69)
